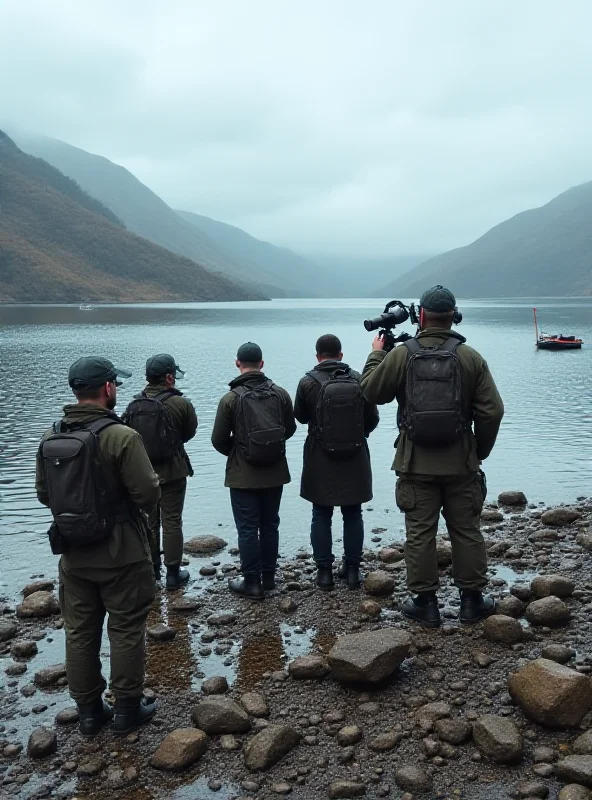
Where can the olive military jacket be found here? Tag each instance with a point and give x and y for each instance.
(124, 456)
(383, 381)
(239, 473)
(185, 420)
(329, 481)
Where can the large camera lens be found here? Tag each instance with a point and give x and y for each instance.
(374, 324)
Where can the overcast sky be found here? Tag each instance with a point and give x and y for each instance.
(370, 127)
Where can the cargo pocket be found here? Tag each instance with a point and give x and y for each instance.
(405, 495)
(478, 493)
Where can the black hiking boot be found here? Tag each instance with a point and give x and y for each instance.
(128, 717)
(423, 609)
(157, 566)
(325, 578)
(247, 586)
(268, 580)
(351, 575)
(92, 716)
(176, 578)
(474, 606)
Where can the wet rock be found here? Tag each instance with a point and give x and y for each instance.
(8, 630)
(510, 606)
(585, 541)
(207, 571)
(67, 716)
(574, 791)
(308, 667)
(25, 649)
(42, 743)
(287, 605)
(49, 676)
(120, 777)
(13, 670)
(12, 750)
(204, 545)
(531, 789)
(521, 591)
(551, 694)
(560, 517)
(543, 755)
(454, 731)
(502, 629)
(491, 515)
(348, 735)
(255, 704)
(269, 746)
(547, 585)
(184, 604)
(385, 741)
(90, 767)
(161, 633)
(215, 685)
(557, 652)
(180, 749)
(390, 555)
(368, 657)
(229, 742)
(38, 586)
(575, 769)
(220, 715)
(379, 583)
(370, 608)
(512, 499)
(443, 554)
(28, 690)
(498, 738)
(345, 788)
(550, 611)
(413, 779)
(583, 744)
(221, 618)
(483, 660)
(38, 604)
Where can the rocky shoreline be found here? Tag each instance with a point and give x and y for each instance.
(256, 700)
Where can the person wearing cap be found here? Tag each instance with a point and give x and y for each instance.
(115, 576)
(441, 478)
(162, 373)
(255, 489)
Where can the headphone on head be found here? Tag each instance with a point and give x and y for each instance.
(415, 314)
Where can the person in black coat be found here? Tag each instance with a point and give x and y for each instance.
(328, 481)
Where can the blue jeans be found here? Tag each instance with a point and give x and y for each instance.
(256, 515)
(321, 539)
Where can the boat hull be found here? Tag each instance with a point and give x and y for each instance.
(559, 345)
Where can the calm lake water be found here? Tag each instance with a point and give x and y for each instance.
(544, 448)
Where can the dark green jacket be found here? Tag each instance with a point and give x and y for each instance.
(328, 481)
(239, 473)
(124, 456)
(185, 419)
(383, 381)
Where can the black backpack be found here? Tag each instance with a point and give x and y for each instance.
(339, 425)
(151, 418)
(82, 499)
(259, 423)
(432, 413)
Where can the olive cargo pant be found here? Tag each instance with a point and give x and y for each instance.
(169, 513)
(460, 498)
(86, 595)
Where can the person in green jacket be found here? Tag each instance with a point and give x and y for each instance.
(113, 577)
(441, 478)
(255, 488)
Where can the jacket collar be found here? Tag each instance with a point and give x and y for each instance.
(256, 376)
(74, 413)
(152, 389)
(440, 333)
(331, 364)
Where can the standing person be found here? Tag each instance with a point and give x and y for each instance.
(337, 470)
(166, 421)
(449, 417)
(253, 422)
(95, 476)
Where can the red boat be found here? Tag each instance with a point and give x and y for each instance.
(545, 341)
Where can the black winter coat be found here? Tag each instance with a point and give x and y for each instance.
(327, 481)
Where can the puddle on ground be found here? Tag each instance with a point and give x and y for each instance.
(505, 573)
(199, 790)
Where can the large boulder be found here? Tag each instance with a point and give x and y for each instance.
(379, 583)
(220, 715)
(311, 667)
(551, 694)
(38, 604)
(547, 585)
(8, 630)
(368, 657)
(204, 545)
(502, 629)
(24, 649)
(491, 515)
(180, 749)
(574, 791)
(38, 586)
(560, 517)
(583, 744)
(550, 611)
(390, 555)
(269, 746)
(510, 606)
(49, 676)
(576, 769)
(42, 743)
(217, 684)
(498, 738)
(512, 499)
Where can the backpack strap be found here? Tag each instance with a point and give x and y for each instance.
(100, 424)
(164, 395)
(321, 377)
(450, 345)
(413, 346)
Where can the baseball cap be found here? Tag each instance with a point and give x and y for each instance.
(438, 299)
(161, 365)
(249, 353)
(93, 371)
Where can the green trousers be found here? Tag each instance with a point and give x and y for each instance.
(125, 594)
(169, 514)
(460, 499)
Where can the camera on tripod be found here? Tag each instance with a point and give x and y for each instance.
(395, 313)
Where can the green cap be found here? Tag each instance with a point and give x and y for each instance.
(163, 364)
(249, 353)
(93, 371)
(438, 299)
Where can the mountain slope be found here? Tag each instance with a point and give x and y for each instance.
(354, 276)
(59, 244)
(545, 252)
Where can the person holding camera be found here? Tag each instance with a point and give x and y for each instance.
(449, 416)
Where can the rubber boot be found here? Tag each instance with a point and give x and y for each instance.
(92, 716)
(325, 578)
(128, 717)
(423, 609)
(247, 586)
(474, 606)
(268, 580)
(176, 578)
(350, 574)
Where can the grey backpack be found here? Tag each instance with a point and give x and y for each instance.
(151, 418)
(339, 424)
(433, 414)
(259, 423)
